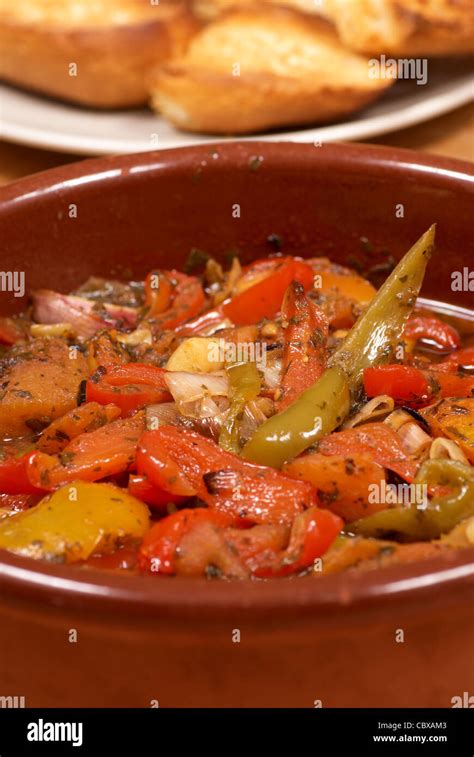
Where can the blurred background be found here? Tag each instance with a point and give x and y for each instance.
(98, 77)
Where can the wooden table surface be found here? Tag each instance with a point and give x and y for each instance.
(451, 135)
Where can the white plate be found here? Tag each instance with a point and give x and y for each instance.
(34, 120)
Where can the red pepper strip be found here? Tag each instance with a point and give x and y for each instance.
(264, 551)
(263, 299)
(258, 269)
(187, 301)
(80, 420)
(250, 543)
(142, 489)
(14, 478)
(213, 318)
(266, 264)
(9, 331)
(343, 483)
(130, 387)
(277, 267)
(444, 336)
(311, 535)
(105, 351)
(378, 441)
(17, 503)
(203, 324)
(158, 292)
(401, 382)
(89, 457)
(408, 384)
(447, 384)
(158, 550)
(184, 462)
(162, 469)
(464, 357)
(304, 355)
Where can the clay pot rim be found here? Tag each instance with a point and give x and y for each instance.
(353, 157)
(450, 573)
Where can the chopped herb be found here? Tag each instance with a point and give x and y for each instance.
(37, 424)
(81, 394)
(366, 245)
(212, 571)
(66, 457)
(349, 466)
(356, 263)
(23, 393)
(275, 241)
(255, 162)
(196, 260)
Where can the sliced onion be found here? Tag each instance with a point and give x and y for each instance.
(413, 438)
(164, 414)
(208, 408)
(205, 407)
(208, 427)
(447, 449)
(215, 327)
(214, 274)
(40, 330)
(398, 418)
(255, 413)
(52, 307)
(204, 325)
(188, 387)
(167, 414)
(376, 408)
(272, 373)
(121, 315)
(231, 280)
(139, 336)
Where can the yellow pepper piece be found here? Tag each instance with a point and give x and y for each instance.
(74, 522)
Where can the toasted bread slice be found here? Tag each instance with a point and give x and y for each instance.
(256, 69)
(210, 9)
(391, 27)
(404, 27)
(93, 52)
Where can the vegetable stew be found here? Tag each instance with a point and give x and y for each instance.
(278, 419)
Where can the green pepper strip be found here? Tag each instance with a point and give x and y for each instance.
(373, 339)
(440, 516)
(245, 385)
(371, 342)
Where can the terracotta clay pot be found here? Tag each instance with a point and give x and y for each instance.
(305, 642)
